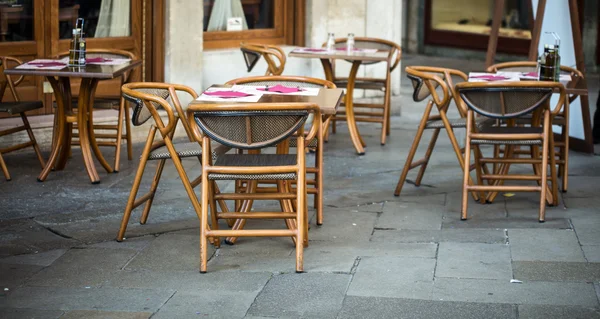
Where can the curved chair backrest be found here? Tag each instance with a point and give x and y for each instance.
(149, 97)
(108, 54)
(426, 80)
(507, 100)
(374, 43)
(274, 56)
(253, 126)
(295, 81)
(7, 62)
(531, 66)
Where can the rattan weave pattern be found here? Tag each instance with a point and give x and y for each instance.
(505, 102)
(141, 114)
(187, 149)
(254, 160)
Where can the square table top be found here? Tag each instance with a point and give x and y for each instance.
(328, 100)
(379, 56)
(95, 71)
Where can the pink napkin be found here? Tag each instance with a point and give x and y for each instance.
(313, 50)
(489, 77)
(97, 60)
(281, 89)
(531, 74)
(227, 94)
(346, 49)
(46, 64)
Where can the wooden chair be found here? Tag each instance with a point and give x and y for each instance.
(371, 112)
(315, 186)
(111, 139)
(507, 101)
(273, 55)
(254, 127)
(13, 108)
(425, 81)
(561, 141)
(148, 98)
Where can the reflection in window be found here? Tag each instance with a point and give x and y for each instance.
(475, 16)
(16, 20)
(103, 18)
(254, 14)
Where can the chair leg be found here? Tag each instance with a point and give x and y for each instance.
(466, 171)
(128, 132)
(4, 168)
(553, 172)
(213, 213)
(36, 148)
(204, 222)
(544, 170)
(286, 206)
(152, 192)
(423, 167)
(319, 178)
(565, 158)
(385, 129)
(300, 220)
(119, 134)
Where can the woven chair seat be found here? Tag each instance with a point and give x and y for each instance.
(20, 107)
(509, 130)
(187, 149)
(457, 123)
(258, 160)
(365, 85)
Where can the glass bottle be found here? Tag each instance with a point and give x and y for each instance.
(78, 46)
(557, 63)
(546, 71)
(350, 43)
(331, 42)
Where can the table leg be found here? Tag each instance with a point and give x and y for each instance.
(68, 109)
(93, 142)
(352, 128)
(59, 128)
(86, 91)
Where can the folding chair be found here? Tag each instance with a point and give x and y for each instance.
(561, 141)
(315, 186)
(13, 108)
(148, 98)
(425, 81)
(507, 101)
(271, 53)
(371, 112)
(254, 127)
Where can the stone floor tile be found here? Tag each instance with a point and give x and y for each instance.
(135, 243)
(215, 304)
(592, 253)
(473, 260)
(82, 268)
(110, 299)
(40, 259)
(25, 236)
(93, 314)
(587, 229)
(556, 271)
(405, 215)
(397, 277)
(486, 236)
(170, 253)
(378, 307)
(557, 312)
(12, 276)
(19, 313)
(344, 225)
(544, 245)
(309, 295)
(502, 291)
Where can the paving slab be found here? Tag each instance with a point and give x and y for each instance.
(214, 304)
(378, 307)
(25, 236)
(256, 254)
(485, 236)
(110, 299)
(170, 253)
(82, 268)
(556, 271)
(544, 245)
(557, 312)
(93, 314)
(16, 313)
(406, 215)
(502, 291)
(473, 260)
(397, 277)
(40, 259)
(587, 229)
(309, 295)
(15, 275)
(135, 243)
(592, 253)
(344, 225)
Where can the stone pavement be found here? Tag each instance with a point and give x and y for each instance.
(376, 256)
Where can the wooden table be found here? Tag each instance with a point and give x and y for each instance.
(356, 58)
(65, 117)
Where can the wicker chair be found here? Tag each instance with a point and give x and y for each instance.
(111, 139)
(147, 99)
(507, 101)
(13, 108)
(254, 127)
(425, 81)
(253, 51)
(371, 112)
(561, 141)
(315, 186)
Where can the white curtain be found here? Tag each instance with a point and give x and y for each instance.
(223, 10)
(114, 19)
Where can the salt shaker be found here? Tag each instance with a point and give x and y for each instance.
(350, 43)
(331, 42)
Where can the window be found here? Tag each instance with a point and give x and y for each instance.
(19, 21)
(227, 23)
(102, 18)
